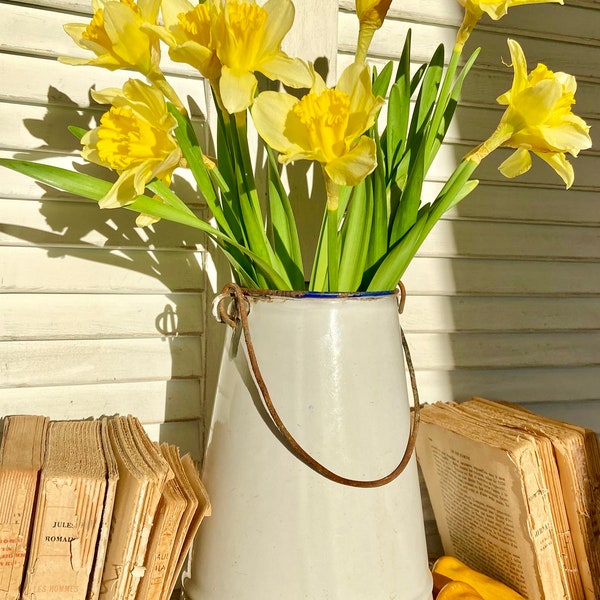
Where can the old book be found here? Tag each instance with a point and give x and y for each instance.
(489, 494)
(163, 537)
(68, 513)
(198, 509)
(575, 485)
(112, 477)
(142, 475)
(21, 455)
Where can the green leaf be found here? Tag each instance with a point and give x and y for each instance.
(285, 234)
(78, 132)
(356, 230)
(455, 189)
(79, 184)
(428, 92)
(393, 139)
(188, 142)
(381, 81)
(393, 266)
(446, 104)
(377, 189)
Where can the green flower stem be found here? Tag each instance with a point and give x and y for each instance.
(449, 196)
(502, 133)
(469, 21)
(333, 250)
(158, 79)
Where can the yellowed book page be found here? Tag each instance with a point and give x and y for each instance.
(203, 510)
(128, 511)
(501, 415)
(68, 513)
(174, 458)
(161, 473)
(21, 455)
(162, 540)
(490, 504)
(577, 452)
(112, 478)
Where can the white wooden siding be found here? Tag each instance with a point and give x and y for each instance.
(96, 316)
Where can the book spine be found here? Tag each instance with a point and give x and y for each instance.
(64, 539)
(17, 496)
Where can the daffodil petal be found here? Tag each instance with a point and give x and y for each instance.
(559, 162)
(171, 9)
(355, 165)
(201, 58)
(144, 220)
(122, 192)
(567, 137)
(290, 71)
(149, 9)
(519, 64)
(237, 89)
(516, 164)
(279, 22)
(271, 113)
(536, 104)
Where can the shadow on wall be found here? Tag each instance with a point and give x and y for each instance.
(524, 252)
(125, 264)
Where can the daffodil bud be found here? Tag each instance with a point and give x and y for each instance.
(371, 14)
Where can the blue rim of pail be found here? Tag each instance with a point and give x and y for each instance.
(346, 294)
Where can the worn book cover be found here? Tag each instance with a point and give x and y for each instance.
(163, 537)
(141, 479)
(68, 513)
(575, 484)
(490, 499)
(197, 510)
(21, 455)
(112, 478)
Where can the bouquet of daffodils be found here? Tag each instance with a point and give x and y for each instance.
(373, 166)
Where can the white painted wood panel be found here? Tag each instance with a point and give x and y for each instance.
(97, 316)
(57, 270)
(62, 362)
(154, 401)
(84, 316)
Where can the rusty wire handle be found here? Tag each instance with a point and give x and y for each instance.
(238, 294)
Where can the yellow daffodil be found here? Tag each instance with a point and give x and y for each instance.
(135, 139)
(538, 119)
(229, 40)
(116, 36)
(248, 38)
(495, 9)
(326, 125)
(371, 14)
(188, 31)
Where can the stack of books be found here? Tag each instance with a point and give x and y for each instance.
(515, 495)
(93, 509)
